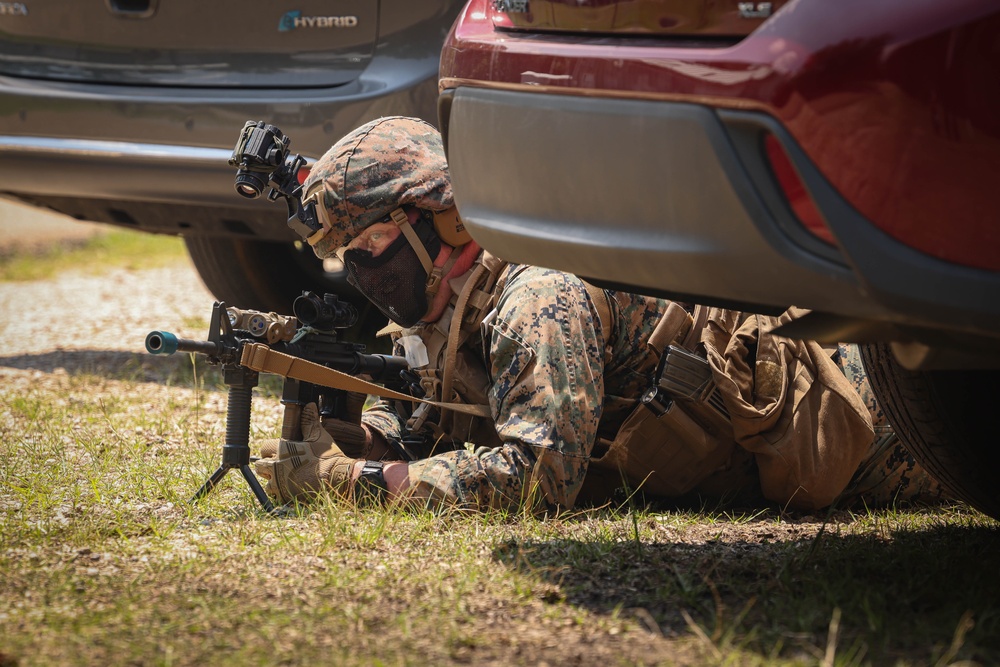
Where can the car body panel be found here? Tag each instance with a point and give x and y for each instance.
(640, 162)
(665, 205)
(924, 151)
(154, 156)
(135, 42)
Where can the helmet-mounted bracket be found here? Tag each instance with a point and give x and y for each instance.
(314, 200)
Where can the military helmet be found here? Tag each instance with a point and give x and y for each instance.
(382, 165)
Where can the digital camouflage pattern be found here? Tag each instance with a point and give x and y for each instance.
(384, 164)
(889, 474)
(557, 380)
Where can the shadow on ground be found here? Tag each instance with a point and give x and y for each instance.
(114, 365)
(905, 597)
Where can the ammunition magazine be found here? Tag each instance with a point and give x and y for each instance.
(687, 378)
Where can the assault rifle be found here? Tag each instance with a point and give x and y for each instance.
(310, 335)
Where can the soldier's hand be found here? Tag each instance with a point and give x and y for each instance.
(299, 469)
(352, 439)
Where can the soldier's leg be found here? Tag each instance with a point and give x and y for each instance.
(888, 474)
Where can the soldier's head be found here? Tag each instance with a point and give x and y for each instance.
(384, 198)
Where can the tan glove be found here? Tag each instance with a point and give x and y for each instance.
(299, 470)
(353, 440)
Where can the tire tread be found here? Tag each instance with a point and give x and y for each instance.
(945, 441)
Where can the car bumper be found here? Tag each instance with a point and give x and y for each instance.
(157, 159)
(677, 199)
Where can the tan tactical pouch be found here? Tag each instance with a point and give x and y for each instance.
(667, 445)
(666, 454)
(786, 404)
(806, 426)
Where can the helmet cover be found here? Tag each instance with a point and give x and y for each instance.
(380, 166)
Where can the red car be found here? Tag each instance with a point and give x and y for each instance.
(837, 156)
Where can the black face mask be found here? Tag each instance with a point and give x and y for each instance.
(395, 281)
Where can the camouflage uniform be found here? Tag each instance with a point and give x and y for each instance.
(557, 381)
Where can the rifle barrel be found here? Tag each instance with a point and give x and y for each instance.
(383, 367)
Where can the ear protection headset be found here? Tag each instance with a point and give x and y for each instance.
(450, 228)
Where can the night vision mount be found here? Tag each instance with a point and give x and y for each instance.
(262, 160)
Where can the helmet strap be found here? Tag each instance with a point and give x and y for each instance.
(403, 222)
(435, 274)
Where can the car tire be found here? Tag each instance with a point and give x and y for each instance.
(268, 276)
(945, 419)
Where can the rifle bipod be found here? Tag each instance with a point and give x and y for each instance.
(236, 450)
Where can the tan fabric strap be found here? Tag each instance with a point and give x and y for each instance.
(403, 222)
(437, 274)
(261, 358)
(700, 319)
(448, 372)
(600, 299)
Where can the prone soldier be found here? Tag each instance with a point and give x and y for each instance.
(579, 391)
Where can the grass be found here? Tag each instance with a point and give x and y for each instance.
(105, 560)
(115, 248)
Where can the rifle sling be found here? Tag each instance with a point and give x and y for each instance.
(261, 358)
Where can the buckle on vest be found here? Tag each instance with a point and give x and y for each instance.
(433, 282)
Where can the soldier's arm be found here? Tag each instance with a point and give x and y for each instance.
(546, 366)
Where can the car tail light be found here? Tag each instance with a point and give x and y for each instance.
(795, 191)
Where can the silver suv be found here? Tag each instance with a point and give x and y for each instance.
(127, 111)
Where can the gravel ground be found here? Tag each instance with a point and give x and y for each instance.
(111, 312)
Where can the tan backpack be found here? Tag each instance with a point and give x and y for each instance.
(782, 401)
